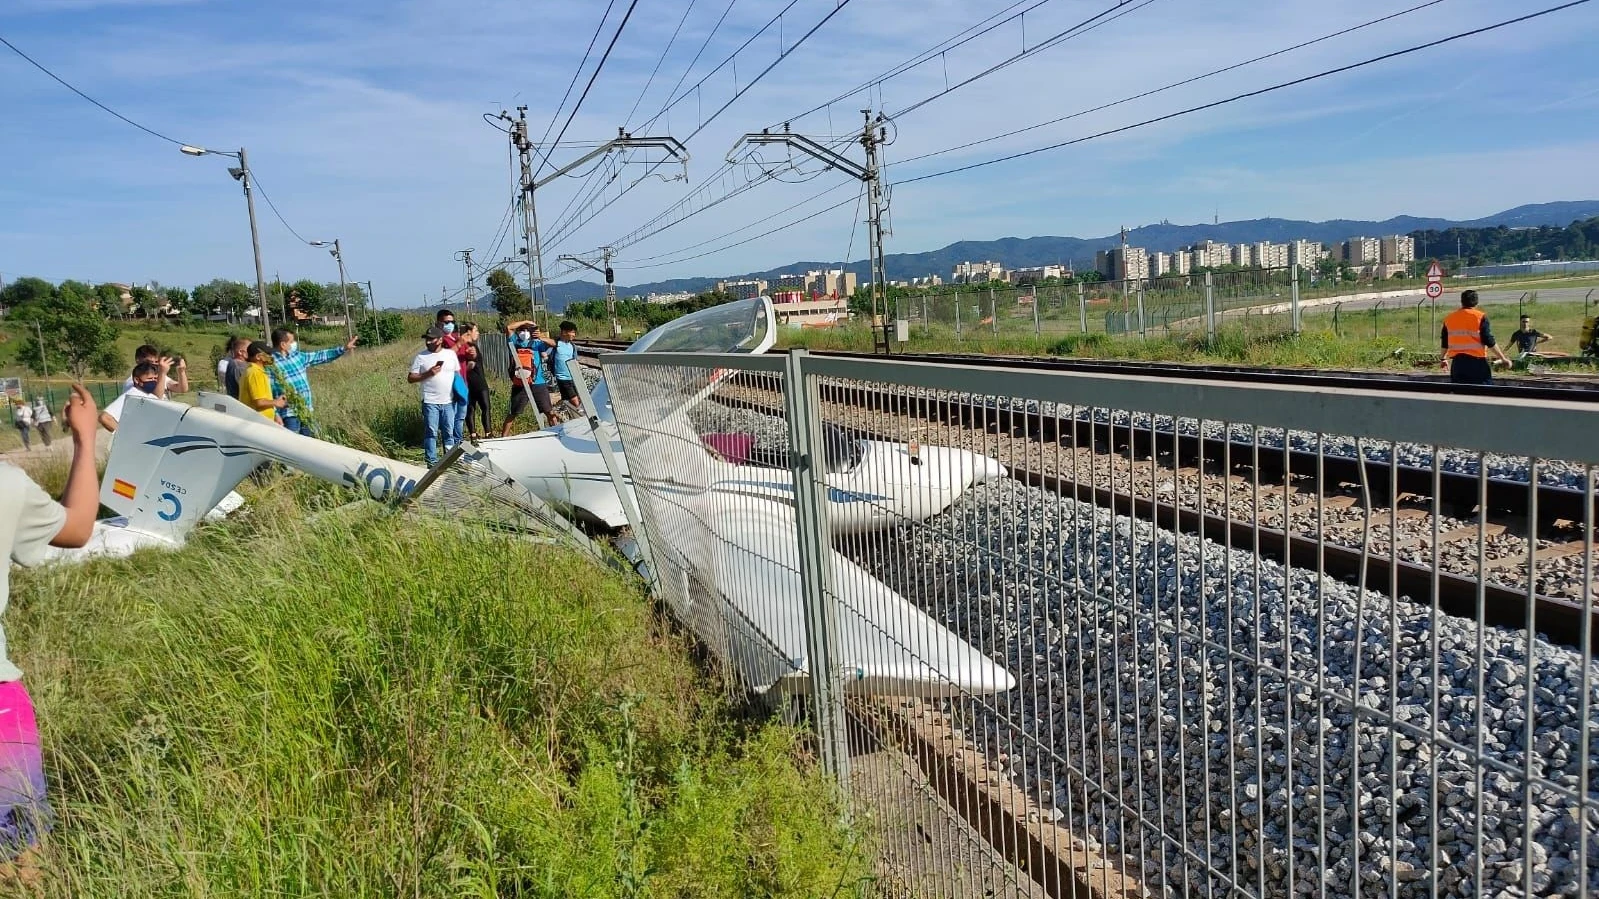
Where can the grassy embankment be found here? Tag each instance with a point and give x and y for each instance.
(365, 704)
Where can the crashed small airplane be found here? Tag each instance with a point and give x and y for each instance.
(724, 536)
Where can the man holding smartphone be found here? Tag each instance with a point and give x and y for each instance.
(434, 368)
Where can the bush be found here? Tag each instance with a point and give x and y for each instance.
(385, 327)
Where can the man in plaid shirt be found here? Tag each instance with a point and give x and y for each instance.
(289, 373)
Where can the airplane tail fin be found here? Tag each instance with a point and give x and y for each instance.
(156, 480)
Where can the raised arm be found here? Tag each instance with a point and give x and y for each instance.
(82, 496)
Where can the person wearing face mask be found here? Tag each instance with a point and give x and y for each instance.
(289, 373)
(145, 380)
(444, 320)
(477, 383)
(530, 375)
(165, 384)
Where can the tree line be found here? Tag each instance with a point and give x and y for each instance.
(1490, 246)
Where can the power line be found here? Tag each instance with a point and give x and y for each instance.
(817, 214)
(964, 36)
(255, 182)
(1248, 94)
(575, 74)
(1078, 30)
(649, 82)
(1173, 85)
(596, 73)
(738, 230)
(563, 229)
(59, 80)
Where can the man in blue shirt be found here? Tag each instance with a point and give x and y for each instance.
(530, 371)
(563, 356)
(289, 373)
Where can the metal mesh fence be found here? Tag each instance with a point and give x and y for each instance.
(1136, 636)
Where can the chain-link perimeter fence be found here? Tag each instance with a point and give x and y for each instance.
(1061, 632)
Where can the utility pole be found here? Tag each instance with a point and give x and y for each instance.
(344, 293)
(873, 135)
(532, 248)
(371, 300)
(606, 254)
(465, 257)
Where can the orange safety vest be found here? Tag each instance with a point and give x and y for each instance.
(524, 359)
(1464, 327)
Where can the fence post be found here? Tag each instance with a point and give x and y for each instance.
(1210, 309)
(1418, 319)
(1337, 331)
(801, 407)
(1293, 296)
(1374, 312)
(924, 315)
(1082, 309)
(1586, 297)
(1143, 326)
(1036, 329)
(993, 314)
(957, 315)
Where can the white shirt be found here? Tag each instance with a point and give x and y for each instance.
(29, 520)
(41, 414)
(438, 390)
(22, 414)
(114, 408)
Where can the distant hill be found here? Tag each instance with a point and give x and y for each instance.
(1017, 252)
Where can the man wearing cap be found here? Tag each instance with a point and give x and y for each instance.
(435, 368)
(255, 387)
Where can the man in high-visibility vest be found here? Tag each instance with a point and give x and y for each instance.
(1466, 340)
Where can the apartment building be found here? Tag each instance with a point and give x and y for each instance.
(1271, 255)
(1362, 251)
(1116, 267)
(1306, 253)
(977, 272)
(1038, 273)
(1398, 249)
(742, 289)
(1243, 255)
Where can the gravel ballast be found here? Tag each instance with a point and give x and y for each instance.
(1152, 682)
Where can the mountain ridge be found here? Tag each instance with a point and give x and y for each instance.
(1019, 252)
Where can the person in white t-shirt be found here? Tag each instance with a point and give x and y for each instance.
(435, 369)
(146, 380)
(29, 521)
(165, 385)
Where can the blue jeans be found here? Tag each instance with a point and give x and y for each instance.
(438, 424)
(459, 423)
(295, 426)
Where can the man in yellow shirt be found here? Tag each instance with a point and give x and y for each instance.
(255, 388)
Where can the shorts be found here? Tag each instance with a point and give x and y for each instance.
(541, 397)
(24, 809)
(568, 391)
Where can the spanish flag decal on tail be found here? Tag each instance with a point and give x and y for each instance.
(123, 489)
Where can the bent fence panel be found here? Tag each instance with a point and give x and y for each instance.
(1150, 636)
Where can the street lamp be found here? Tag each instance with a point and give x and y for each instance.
(349, 325)
(241, 174)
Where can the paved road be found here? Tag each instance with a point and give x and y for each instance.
(1451, 299)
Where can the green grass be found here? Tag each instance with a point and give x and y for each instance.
(355, 703)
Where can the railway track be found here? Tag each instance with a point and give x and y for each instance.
(1350, 516)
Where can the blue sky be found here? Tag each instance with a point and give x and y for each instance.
(362, 120)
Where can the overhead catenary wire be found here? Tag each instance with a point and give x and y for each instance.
(576, 74)
(1249, 94)
(1173, 85)
(752, 238)
(563, 230)
(741, 229)
(1104, 17)
(598, 67)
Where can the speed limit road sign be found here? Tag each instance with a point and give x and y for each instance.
(1434, 290)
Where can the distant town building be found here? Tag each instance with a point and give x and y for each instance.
(977, 272)
(1306, 253)
(1271, 255)
(1243, 255)
(1038, 273)
(743, 289)
(1160, 264)
(1180, 263)
(788, 282)
(1210, 254)
(663, 298)
(1398, 249)
(1360, 251)
(812, 311)
(1115, 267)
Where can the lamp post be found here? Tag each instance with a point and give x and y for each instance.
(241, 174)
(344, 297)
